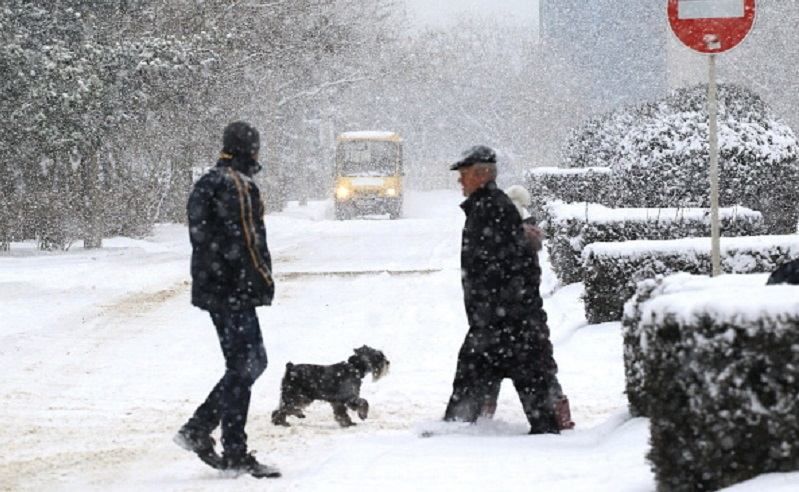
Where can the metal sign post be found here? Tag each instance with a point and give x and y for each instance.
(711, 27)
(712, 128)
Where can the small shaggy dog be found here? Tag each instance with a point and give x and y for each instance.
(521, 198)
(338, 384)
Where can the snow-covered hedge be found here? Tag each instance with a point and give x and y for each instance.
(612, 270)
(721, 379)
(570, 227)
(636, 345)
(658, 154)
(565, 184)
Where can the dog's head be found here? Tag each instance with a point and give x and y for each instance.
(374, 360)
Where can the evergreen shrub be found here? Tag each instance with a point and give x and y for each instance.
(571, 227)
(611, 271)
(721, 379)
(569, 185)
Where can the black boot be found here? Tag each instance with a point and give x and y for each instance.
(200, 443)
(543, 421)
(247, 463)
(547, 424)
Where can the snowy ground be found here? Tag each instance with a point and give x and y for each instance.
(103, 358)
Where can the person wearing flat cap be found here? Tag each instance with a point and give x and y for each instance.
(508, 335)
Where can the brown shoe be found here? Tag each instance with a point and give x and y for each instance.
(563, 413)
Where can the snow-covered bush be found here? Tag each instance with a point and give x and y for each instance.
(595, 143)
(569, 185)
(635, 345)
(570, 227)
(612, 270)
(659, 155)
(721, 379)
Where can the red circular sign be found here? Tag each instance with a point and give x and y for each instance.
(711, 26)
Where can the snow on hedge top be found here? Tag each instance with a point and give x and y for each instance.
(694, 245)
(369, 135)
(682, 282)
(596, 213)
(566, 171)
(654, 133)
(684, 297)
(688, 282)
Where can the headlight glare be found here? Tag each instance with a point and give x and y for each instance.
(342, 192)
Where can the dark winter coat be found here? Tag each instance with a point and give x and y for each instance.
(231, 268)
(500, 274)
(508, 336)
(787, 273)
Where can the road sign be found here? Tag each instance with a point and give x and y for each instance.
(711, 26)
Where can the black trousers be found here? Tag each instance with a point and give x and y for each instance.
(485, 359)
(229, 401)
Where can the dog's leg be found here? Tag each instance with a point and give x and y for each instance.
(359, 405)
(297, 407)
(279, 418)
(340, 414)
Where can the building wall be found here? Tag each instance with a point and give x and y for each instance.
(620, 47)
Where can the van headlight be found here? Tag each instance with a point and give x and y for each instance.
(342, 192)
(391, 192)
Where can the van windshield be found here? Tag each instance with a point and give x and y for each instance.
(368, 158)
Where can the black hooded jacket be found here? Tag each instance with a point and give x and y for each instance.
(499, 270)
(231, 268)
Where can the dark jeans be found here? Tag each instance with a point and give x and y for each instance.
(482, 367)
(245, 359)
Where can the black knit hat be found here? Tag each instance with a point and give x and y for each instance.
(241, 139)
(479, 154)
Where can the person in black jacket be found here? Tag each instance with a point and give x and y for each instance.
(508, 335)
(786, 273)
(231, 272)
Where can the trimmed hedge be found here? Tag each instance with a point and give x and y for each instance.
(612, 270)
(635, 345)
(721, 382)
(566, 184)
(570, 227)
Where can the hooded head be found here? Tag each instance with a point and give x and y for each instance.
(241, 142)
(241, 139)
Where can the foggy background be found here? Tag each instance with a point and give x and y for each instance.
(111, 109)
(446, 12)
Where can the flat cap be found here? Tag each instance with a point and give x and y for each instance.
(479, 154)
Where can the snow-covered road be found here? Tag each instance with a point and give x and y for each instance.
(103, 358)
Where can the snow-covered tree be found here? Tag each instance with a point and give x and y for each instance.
(282, 65)
(126, 98)
(70, 92)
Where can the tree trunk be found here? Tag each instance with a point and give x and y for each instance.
(93, 234)
(182, 181)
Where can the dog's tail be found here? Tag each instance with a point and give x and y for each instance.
(288, 375)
